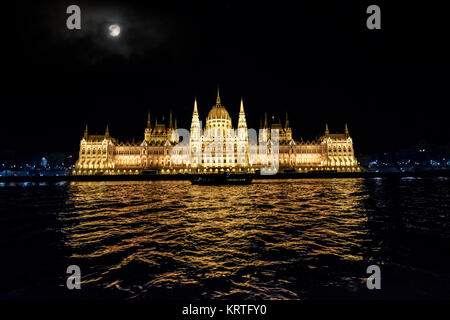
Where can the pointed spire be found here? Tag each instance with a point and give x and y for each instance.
(86, 131)
(346, 129)
(107, 131)
(326, 129)
(287, 121)
(195, 105)
(149, 124)
(195, 123)
(156, 121)
(242, 122)
(170, 120)
(218, 96)
(266, 123)
(176, 126)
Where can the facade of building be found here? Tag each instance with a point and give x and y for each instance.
(218, 147)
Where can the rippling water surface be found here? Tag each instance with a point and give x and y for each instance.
(283, 239)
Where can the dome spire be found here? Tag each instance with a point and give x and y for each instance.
(326, 129)
(218, 97)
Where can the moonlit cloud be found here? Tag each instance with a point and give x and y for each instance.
(141, 33)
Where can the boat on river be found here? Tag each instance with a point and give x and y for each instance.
(222, 179)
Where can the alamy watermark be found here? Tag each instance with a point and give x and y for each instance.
(74, 280)
(229, 147)
(374, 280)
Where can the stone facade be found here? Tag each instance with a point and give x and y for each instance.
(216, 148)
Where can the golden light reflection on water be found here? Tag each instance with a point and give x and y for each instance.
(213, 241)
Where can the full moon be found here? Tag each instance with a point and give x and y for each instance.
(114, 30)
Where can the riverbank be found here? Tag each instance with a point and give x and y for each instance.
(168, 177)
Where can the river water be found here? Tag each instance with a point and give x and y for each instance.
(273, 239)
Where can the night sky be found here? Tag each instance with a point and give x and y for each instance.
(315, 60)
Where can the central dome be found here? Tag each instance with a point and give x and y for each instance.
(218, 117)
(218, 111)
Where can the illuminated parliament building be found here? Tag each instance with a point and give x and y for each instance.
(216, 148)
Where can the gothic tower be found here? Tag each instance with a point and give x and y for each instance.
(175, 136)
(264, 132)
(242, 137)
(195, 138)
(148, 129)
(171, 132)
(287, 129)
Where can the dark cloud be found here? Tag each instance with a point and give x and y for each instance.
(317, 61)
(144, 31)
(141, 33)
